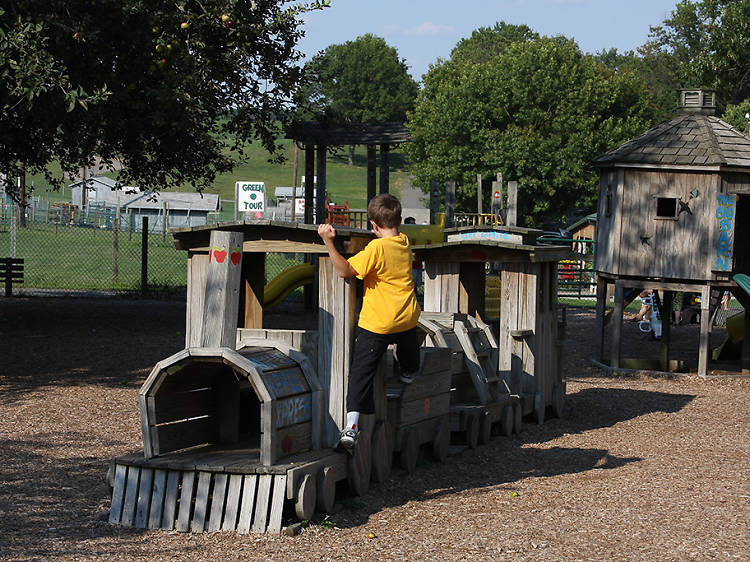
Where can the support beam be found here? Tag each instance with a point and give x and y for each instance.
(253, 283)
(512, 203)
(371, 173)
(666, 331)
(384, 169)
(309, 183)
(705, 333)
(471, 289)
(601, 309)
(320, 200)
(616, 358)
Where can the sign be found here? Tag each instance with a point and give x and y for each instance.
(251, 197)
(299, 206)
(486, 235)
(496, 195)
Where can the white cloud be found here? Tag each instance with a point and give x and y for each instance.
(429, 28)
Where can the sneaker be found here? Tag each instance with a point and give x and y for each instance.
(407, 378)
(348, 438)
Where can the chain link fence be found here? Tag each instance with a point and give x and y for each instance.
(70, 250)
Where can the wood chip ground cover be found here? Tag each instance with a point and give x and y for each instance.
(640, 468)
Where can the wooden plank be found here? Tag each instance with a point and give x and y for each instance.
(267, 451)
(666, 331)
(601, 307)
(285, 382)
(173, 406)
(201, 502)
(181, 435)
(292, 439)
(293, 410)
(157, 499)
(170, 500)
(260, 517)
(253, 281)
(217, 502)
(222, 290)
(248, 503)
(118, 493)
(196, 292)
(233, 503)
(471, 289)
(472, 362)
(186, 501)
(408, 413)
(277, 503)
(131, 496)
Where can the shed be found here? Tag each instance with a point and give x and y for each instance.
(674, 215)
(183, 209)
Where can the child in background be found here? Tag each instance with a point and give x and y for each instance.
(389, 307)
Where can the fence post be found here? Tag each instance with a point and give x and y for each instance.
(144, 257)
(116, 244)
(479, 194)
(450, 202)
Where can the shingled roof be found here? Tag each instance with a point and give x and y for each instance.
(690, 139)
(355, 133)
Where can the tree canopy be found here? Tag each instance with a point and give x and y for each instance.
(708, 42)
(540, 112)
(359, 81)
(171, 89)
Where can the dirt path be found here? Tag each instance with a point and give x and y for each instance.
(639, 468)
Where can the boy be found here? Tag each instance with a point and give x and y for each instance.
(389, 307)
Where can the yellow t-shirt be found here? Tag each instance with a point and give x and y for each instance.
(389, 304)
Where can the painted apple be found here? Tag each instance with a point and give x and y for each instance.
(185, 25)
(236, 256)
(225, 17)
(220, 254)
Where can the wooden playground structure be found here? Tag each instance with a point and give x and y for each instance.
(239, 427)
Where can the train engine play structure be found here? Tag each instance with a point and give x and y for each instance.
(240, 427)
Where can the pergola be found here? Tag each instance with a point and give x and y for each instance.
(316, 138)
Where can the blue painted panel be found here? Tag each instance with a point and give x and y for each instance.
(291, 411)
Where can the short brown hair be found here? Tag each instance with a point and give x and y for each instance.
(385, 211)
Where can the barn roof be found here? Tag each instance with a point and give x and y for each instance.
(353, 133)
(690, 139)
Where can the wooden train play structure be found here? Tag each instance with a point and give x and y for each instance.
(239, 428)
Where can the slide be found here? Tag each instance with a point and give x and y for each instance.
(732, 346)
(285, 282)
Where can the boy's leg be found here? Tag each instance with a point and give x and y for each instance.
(407, 353)
(368, 349)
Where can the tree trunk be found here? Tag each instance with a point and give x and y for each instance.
(351, 155)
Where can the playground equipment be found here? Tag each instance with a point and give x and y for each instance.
(285, 282)
(239, 427)
(653, 324)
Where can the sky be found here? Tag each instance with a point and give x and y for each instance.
(424, 30)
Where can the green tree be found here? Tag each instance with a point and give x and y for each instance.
(709, 43)
(738, 116)
(486, 43)
(359, 81)
(539, 113)
(173, 90)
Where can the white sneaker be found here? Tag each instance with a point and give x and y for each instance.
(348, 438)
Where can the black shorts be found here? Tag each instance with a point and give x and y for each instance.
(368, 349)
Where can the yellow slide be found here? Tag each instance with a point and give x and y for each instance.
(285, 282)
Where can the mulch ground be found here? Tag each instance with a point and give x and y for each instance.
(640, 468)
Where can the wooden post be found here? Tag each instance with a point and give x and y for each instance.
(512, 203)
(666, 330)
(601, 309)
(144, 255)
(450, 203)
(164, 222)
(745, 352)
(309, 183)
(384, 170)
(479, 194)
(441, 287)
(253, 282)
(22, 192)
(222, 299)
(705, 333)
(320, 199)
(337, 299)
(434, 200)
(371, 174)
(497, 195)
(294, 181)
(616, 358)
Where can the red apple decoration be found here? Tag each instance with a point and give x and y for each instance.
(220, 254)
(236, 256)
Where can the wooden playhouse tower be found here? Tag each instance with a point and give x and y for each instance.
(674, 215)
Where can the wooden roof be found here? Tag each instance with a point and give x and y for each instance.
(310, 133)
(690, 139)
(273, 236)
(489, 250)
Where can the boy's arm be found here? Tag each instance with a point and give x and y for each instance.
(343, 267)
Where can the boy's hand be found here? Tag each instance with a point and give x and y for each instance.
(326, 232)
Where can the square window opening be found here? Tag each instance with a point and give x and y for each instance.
(666, 207)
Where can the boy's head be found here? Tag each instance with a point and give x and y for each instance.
(385, 211)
